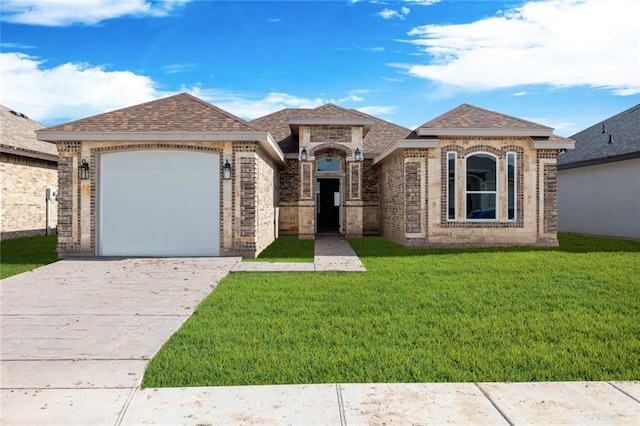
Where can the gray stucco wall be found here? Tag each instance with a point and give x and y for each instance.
(601, 200)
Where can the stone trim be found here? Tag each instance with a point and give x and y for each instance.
(331, 146)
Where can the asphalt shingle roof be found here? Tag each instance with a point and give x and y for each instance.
(468, 116)
(592, 145)
(19, 133)
(178, 113)
(381, 134)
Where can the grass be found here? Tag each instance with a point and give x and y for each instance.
(24, 254)
(420, 316)
(287, 248)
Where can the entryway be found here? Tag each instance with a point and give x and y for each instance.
(328, 206)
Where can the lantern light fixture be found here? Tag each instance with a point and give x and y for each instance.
(226, 170)
(303, 154)
(358, 154)
(83, 170)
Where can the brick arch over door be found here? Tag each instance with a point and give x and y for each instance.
(331, 147)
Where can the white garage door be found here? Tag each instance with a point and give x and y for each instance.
(159, 203)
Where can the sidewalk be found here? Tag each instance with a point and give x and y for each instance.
(332, 253)
(76, 336)
(575, 403)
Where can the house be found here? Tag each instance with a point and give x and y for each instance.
(180, 177)
(28, 168)
(599, 181)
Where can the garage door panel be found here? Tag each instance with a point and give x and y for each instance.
(159, 203)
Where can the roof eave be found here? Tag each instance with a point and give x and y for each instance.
(405, 144)
(553, 144)
(29, 154)
(295, 123)
(485, 132)
(263, 138)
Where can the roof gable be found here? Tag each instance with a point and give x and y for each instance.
(592, 144)
(381, 132)
(178, 113)
(18, 134)
(469, 119)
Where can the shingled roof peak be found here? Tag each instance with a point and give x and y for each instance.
(182, 112)
(467, 116)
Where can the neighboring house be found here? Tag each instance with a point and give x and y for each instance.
(178, 176)
(28, 167)
(599, 181)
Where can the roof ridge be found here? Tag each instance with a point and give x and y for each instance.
(507, 116)
(218, 109)
(364, 114)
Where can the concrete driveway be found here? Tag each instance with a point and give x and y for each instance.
(93, 324)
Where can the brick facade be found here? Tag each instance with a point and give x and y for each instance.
(404, 207)
(248, 201)
(23, 208)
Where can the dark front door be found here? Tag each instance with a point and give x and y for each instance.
(328, 212)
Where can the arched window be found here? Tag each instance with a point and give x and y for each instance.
(481, 186)
(328, 164)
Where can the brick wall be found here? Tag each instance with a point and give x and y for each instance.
(392, 224)
(289, 182)
(370, 198)
(335, 134)
(266, 201)
(23, 207)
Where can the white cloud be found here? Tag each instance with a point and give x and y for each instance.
(178, 68)
(15, 46)
(562, 43)
(249, 107)
(521, 93)
(87, 12)
(70, 90)
(422, 2)
(394, 14)
(378, 110)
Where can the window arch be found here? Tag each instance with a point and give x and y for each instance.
(481, 184)
(328, 164)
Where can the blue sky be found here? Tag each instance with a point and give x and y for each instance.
(563, 63)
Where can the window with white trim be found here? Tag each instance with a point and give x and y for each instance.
(481, 186)
(512, 203)
(451, 185)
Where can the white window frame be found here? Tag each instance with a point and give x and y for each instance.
(495, 193)
(515, 186)
(455, 181)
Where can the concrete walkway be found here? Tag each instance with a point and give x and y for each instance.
(332, 253)
(76, 336)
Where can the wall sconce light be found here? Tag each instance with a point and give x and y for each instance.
(226, 170)
(358, 154)
(303, 154)
(83, 170)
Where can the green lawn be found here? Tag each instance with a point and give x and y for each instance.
(24, 254)
(420, 316)
(287, 248)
